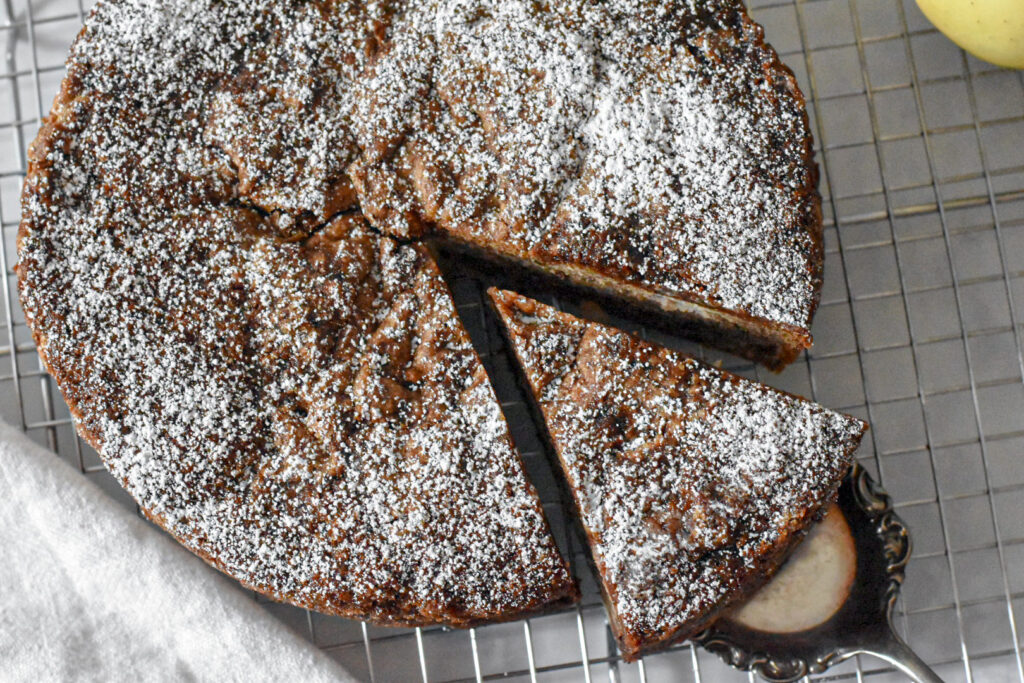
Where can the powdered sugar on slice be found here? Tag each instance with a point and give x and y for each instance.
(691, 482)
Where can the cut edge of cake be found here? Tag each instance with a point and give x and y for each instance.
(772, 344)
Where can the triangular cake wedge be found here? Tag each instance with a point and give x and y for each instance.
(692, 484)
(654, 151)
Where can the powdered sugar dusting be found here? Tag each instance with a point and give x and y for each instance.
(692, 482)
(294, 399)
(656, 143)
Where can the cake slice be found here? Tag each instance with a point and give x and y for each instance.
(656, 152)
(692, 484)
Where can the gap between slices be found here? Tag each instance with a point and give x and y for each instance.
(692, 485)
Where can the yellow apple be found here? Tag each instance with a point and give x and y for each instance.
(992, 30)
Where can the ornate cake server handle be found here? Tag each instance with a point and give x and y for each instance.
(891, 648)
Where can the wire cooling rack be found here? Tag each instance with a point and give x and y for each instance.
(919, 332)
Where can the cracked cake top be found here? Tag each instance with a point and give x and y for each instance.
(286, 391)
(639, 143)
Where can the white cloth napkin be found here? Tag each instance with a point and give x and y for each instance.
(88, 591)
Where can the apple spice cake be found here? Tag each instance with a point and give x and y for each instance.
(691, 484)
(292, 397)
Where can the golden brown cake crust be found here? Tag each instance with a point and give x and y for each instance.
(692, 484)
(294, 399)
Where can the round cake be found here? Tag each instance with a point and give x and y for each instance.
(284, 386)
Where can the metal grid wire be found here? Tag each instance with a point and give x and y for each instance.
(919, 332)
